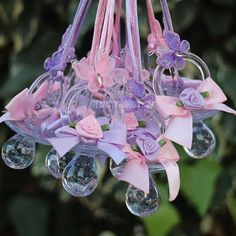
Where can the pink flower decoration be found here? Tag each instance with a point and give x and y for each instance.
(100, 75)
(130, 121)
(89, 127)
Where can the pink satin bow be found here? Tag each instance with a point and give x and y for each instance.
(16, 107)
(24, 101)
(180, 123)
(136, 171)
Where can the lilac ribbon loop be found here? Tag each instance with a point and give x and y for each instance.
(111, 143)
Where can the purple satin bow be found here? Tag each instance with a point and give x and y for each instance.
(112, 142)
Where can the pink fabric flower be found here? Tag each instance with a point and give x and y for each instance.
(89, 127)
(100, 75)
(130, 121)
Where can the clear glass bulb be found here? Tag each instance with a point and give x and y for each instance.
(18, 152)
(117, 170)
(204, 141)
(80, 177)
(57, 164)
(140, 203)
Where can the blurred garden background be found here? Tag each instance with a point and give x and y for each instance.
(32, 203)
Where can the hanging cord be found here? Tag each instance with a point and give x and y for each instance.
(168, 25)
(104, 28)
(107, 31)
(154, 24)
(75, 29)
(97, 29)
(116, 32)
(76, 34)
(133, 37)
(151, 17)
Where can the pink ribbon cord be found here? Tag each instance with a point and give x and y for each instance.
(103, 29)
(116, 32)
(133, 38)
(153, 22)
(98, 29)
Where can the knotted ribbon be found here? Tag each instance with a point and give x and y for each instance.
(180, 124)
(88, 131)
(136, 171)
(24, 101)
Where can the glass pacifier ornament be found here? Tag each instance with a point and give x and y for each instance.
(94, 130)
(32, 108)
(199, 140)
(146, 151)
(182, 102)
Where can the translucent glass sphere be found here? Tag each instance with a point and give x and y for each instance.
(117, 170)
(80, 177)
(57, 164)
(18, 152)
(204, 141)
(140, 203)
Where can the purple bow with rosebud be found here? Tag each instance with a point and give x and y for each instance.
(138, 100)
(172, 55)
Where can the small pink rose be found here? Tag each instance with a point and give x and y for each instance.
(89, 127)
(131, 121)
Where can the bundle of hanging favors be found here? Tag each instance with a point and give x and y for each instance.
(109, 107)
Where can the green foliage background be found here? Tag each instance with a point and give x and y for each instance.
(34, 204)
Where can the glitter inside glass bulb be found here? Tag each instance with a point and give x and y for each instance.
(18, 152)
(140, 203)
(57, 164)
(117, 170)
(204, 141)
(80, 177)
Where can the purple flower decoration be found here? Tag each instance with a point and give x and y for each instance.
(52, 63)
(138, 101)
(149, 147)
(171, 57)
(192, 99)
